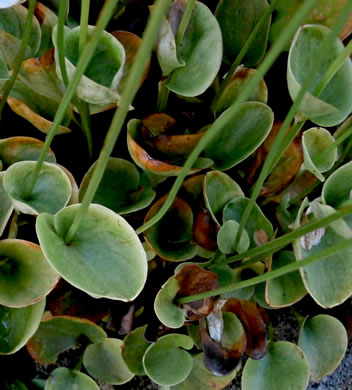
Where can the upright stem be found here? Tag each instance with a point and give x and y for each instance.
(184, 22)
(226, 117)
(83, 25)
(127, 97)
(17, 65)
(66, 99)
(163, 96)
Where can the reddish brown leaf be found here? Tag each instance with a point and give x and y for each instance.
(205, 230)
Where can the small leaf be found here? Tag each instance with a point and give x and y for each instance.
(104, 362)
(59, 334)
(64, 379)
(51, 180)
(283, 367)
(323, 339)
(105, 257)
(166, 363)
(227, 238)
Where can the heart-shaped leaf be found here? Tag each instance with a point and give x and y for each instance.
(218, 190)
(334, 103)
(100, 81)
(202, 36)
(120, 189)
(314, 142)
(227, 238)
(104, 362)
(6, 205)
(58, 334)
(287, 289)
(133, 349)
(25, 275)
(47, 20)
(243, 134)
(64, 379)
(283, 367)
(323, 340)
(166, 363)
(18, 325)
(237, 20)
(105, 257)
(51, 180)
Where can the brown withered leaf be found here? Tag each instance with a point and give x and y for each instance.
(253, 323)
(193, 279)
(205, 230)
(218, 359)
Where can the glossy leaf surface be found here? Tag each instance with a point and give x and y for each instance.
(64, 379)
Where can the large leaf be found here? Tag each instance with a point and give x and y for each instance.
(25, 275)
(64, 379)
(243, 134)
(105, 257)
(58, 334)
(17, 326)
(283, 367)
(6, 206)
(237, 20)
(334, 103)
(203, 36)
(323, 339)
(51, 180)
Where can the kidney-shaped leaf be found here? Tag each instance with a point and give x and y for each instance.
(50, 193)
(64, 379)
(323, 339)
(105, 257)
(25, 275)
(59, 334)
(242, 135)
(227, 238)
(283, 367)
(334, 103)
(104, 362)
(166, 363)
(17, 326)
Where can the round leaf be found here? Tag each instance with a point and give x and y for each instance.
(17, 326)
(323, 339)
(104, 362)
(334, 103)
(227, 238)
(25, 275)
(166, 363)
(105, 258)
(64, 379)
(243, 134)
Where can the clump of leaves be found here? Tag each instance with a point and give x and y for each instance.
(164, 249)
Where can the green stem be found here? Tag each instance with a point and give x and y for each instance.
(83, 32)
(17, 65)
(163, 96)
(228, 115)
(13, 230)
(243, 53)
(184, 22)
(343, 244)
(66, 99)
(136, 73)
(279, 146)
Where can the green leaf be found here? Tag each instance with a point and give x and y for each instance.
(284, 366)
(242, 136)
(334, 103)
(202, 36)
(287, 289)
(51, 180)
(218, 190)
(324, 341)
(17, 326)
(237, 20)
(64, 379)
(59, 334)
(133, 349)
(6, 205)
(104, 259)
(314, 142)
(120, 189)
(227, 238)
(47, 20)
(101, 79)
(166, 363)
(25, 275)
(104, 362)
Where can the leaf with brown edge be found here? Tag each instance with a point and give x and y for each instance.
(193, 279)
(253, 323)
(205, 230)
